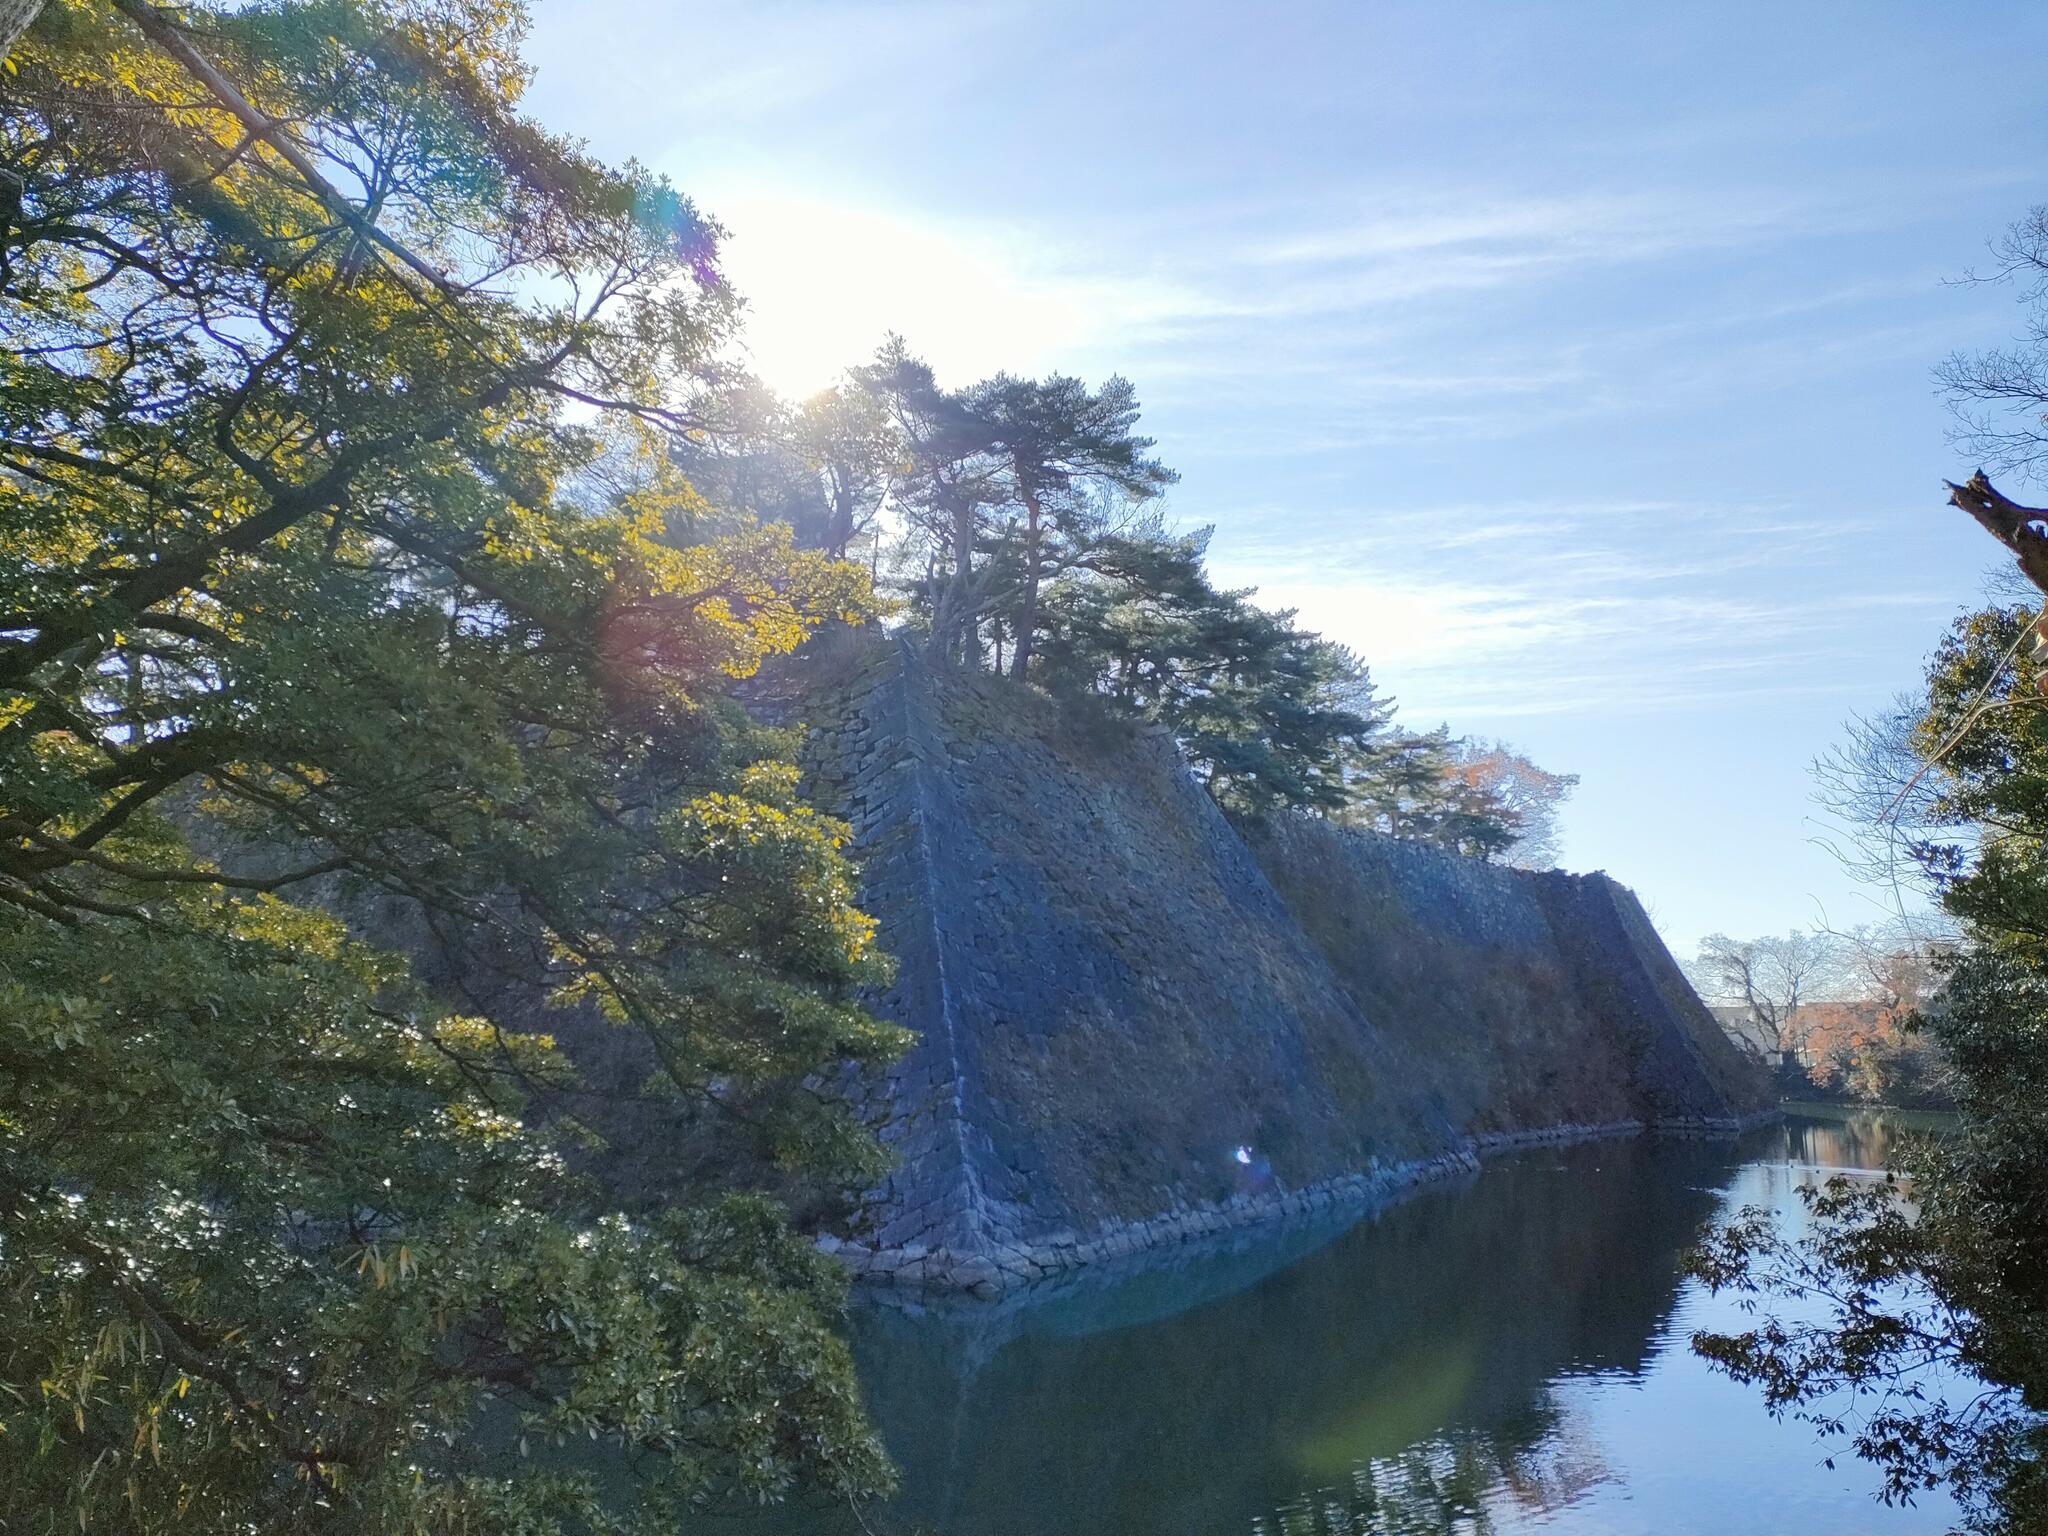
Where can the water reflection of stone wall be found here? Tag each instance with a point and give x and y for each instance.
(1389, 1373)
(1856, 1141)
(1127, 1038)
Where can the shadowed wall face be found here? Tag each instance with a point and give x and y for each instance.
(1130, 1031)
(1525, 999)
(1116, 1014)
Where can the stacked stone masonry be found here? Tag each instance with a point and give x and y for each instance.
(1137, 1025)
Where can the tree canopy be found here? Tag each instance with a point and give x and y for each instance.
(1028, 540)
(1529, 797)
(306, 338)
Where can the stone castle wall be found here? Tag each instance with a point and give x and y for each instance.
(1137, 1027)
(1525, 998)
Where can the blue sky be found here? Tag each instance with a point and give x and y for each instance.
(1571, 362)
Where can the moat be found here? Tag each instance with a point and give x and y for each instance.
(1502, 1355)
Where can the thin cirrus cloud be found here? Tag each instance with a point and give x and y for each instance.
(1580, 609)
(742, 76)
(1459, 651)
(826, 277)
(1331, 396)
(1408, 246)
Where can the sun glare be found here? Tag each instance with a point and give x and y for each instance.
(824, 283)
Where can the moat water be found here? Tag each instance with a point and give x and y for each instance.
(1505, 1355)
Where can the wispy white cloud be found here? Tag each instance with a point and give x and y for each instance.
(704, 79)
(1332, 311)
(1485, 653)
(1391, 248)
(1589, 609)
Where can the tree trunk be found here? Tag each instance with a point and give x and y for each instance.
(954, 620)
(1027, 616)
(2014, 526)
(840, 534)
(15, 16)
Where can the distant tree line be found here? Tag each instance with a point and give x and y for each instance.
(1836, 1014)
(1016, 522)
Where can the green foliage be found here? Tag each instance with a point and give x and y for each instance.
(1952, 1287)
(1423, 787)
(1056, 441)
(300, 610)
(1027, 543)
(1879, 1350)
(1269, 717)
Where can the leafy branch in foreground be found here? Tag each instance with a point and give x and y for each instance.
(1875, 1352)
(299, 617)
(1954, 1285)
(1950, 1287)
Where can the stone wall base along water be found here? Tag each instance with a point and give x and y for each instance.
(1127, 1034)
